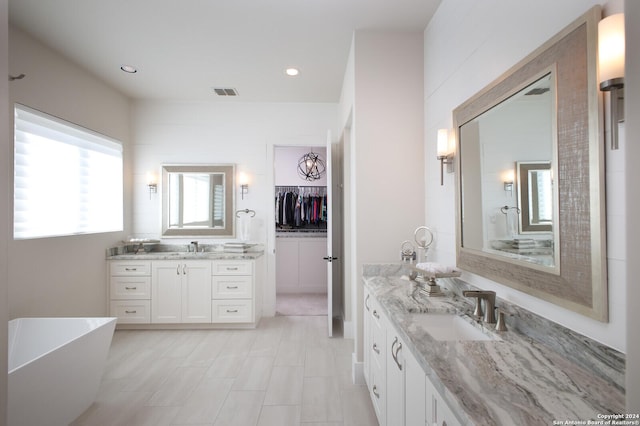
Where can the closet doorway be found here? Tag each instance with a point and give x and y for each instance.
(301, 211)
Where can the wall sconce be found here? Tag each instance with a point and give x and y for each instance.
(507, 179)
(152, 183)
(445, 153)
(611, 46)
(243, 179)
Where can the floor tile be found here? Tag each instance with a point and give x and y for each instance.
(321, 400)
(280, 415)
(254, 374)
(285, 386)
(241, 408)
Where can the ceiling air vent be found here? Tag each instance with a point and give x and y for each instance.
(225, 92)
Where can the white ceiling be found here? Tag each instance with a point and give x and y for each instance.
(184, 48)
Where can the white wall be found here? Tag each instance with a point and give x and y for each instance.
(5, 150)
(632, 100)
(468, 44)
(63, 276)
(385, 171)
(245, 134)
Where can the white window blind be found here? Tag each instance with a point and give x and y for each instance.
(67, 179)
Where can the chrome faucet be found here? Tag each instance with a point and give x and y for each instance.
(195, 246)
(489, 304)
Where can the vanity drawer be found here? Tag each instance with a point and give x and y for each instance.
(378, 345)
(131, 311)
(130, 288)
(130, 267)
(231, 287)
(232, 267)
(231, 311)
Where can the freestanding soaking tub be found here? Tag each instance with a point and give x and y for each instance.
(55, 368)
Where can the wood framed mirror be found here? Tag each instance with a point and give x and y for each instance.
(575, 277)
(198, 200)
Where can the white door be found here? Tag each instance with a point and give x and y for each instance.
(334, 203)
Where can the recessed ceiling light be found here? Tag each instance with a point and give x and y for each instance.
(292, 72)
(129, 68)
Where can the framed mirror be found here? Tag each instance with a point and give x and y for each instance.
(198, 200)
(530, 175)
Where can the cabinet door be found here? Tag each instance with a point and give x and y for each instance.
(166, 292)
(438, 412)
(414, 391)
(196, 291)
(395, 378)
(367, 338)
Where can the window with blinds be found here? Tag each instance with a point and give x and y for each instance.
(67, 179)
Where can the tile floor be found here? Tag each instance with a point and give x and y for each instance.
(285, 372)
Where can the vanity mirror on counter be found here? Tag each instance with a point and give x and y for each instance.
(530, 175)
(198, 200)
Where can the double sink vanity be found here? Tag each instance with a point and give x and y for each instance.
(429, 360)
(184, 284)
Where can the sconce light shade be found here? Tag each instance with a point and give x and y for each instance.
(444, 153)
(443, 142)
(611, 47)
(152, 183)
(243, 180)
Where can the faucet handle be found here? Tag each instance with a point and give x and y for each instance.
(500, 323)
(478, 309)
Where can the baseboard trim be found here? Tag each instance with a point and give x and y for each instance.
(347, 330)
(357, 371)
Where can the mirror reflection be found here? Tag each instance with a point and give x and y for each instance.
(507, 157)
(198, 200)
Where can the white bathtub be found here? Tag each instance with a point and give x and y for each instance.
(55, 368)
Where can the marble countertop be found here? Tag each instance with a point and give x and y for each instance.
(513, 381)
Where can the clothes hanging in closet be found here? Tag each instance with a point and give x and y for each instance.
(296, 209)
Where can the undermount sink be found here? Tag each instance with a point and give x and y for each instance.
(451, 327)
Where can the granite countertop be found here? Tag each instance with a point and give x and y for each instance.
(209, 255)
(513, 381)
(180, 252)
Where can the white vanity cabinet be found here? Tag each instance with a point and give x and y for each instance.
(378, 361)
(180, 291)
(400, 391)
(185, 291)
(130, 291)
(232, 291)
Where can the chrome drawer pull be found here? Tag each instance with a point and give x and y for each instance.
(131, 288)
(375, 391)
(130, 312)
(235, 287)
(130, 269)
(232, 269)
(375, 348)
(395, 354)
(235, 311)
(376, 314)
(365, 302)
